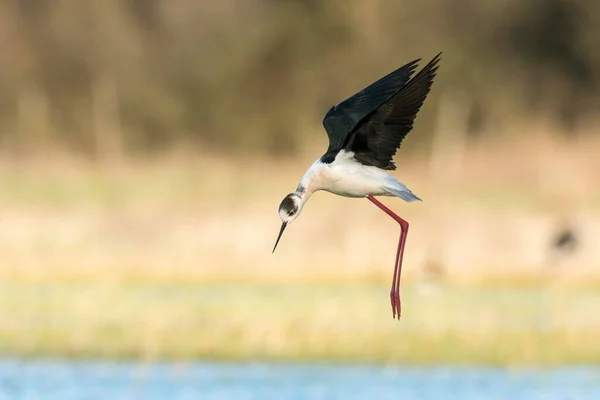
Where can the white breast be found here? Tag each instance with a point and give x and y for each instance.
(345, 177)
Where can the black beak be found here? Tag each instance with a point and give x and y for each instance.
(283, 225)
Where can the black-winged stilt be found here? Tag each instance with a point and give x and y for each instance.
(365, 131)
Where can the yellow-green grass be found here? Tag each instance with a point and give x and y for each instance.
(535, 324)
(172, 259)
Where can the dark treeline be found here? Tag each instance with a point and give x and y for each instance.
(138, 76)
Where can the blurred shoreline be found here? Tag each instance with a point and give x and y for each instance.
(499, 325)
(170, 259)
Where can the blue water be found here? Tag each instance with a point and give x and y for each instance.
(53, 380)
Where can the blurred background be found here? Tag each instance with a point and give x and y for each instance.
(145, 146)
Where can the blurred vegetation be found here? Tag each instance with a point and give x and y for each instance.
(145, 319)
(142, 76)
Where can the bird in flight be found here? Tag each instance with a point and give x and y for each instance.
(365, 131)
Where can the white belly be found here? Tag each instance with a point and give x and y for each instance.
(346, 177)
(352, 183)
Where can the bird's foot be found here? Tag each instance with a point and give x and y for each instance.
(395, 299)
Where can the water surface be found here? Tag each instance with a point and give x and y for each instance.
(64, 380)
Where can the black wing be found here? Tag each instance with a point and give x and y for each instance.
(340, 120)
(378, 136)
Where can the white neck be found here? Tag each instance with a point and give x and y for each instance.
(311, 181)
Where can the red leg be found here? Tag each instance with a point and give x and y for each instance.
(395, 291)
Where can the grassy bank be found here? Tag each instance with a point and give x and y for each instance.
(464, 324)
(158, 260)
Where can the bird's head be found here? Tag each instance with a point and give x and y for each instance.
(289, 209)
